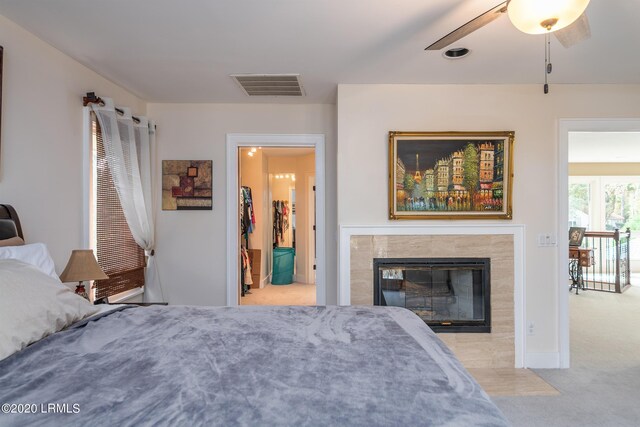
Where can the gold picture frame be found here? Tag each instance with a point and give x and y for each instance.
(450, 175)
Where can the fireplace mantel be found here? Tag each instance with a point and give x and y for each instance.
(455, 231)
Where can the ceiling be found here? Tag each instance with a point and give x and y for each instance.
(604, 147)
(170, 51)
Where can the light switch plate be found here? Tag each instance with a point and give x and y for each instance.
(547, 240)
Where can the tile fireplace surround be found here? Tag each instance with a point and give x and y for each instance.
(504, 346)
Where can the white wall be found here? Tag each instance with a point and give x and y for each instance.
(366, 113)
(42, 145)
(191, 245)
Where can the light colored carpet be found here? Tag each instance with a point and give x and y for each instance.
(601, 387)
(293, 294)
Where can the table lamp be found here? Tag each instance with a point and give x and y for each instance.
(82, 266)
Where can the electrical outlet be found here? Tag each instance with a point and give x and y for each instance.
(531, 328)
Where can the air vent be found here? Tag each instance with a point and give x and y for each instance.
(270, 84)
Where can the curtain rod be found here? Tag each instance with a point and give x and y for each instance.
(91, 98)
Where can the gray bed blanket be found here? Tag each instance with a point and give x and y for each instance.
(253, 366)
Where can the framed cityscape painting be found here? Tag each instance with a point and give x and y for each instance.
(450, 175)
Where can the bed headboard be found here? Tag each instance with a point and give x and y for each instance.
(7, 215)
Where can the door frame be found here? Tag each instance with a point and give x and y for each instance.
(565, 126)
(234, 142)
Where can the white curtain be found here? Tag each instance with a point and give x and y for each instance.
(128, 151)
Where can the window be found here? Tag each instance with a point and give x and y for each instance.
(579, 204)
(116, 251)
(604, 203)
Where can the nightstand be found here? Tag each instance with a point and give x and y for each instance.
(141, 304)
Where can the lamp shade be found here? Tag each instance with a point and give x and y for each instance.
(541, 16)
(82, 266)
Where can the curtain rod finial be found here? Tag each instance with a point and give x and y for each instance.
(89, 98)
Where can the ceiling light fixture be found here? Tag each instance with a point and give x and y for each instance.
(543, 16)
(531, 17)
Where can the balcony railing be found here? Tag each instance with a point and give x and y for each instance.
(610, 271)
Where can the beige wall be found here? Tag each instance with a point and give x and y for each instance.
(366, 113)
(253, 174)
(41, 162)
(604, 169)
(304, 169)
(191, 246)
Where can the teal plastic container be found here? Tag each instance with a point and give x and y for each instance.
(283, 261)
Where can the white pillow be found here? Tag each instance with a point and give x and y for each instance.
(34, 305)
(35, 254)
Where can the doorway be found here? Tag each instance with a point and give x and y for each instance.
(274, 225)
(238, 147)
(568, 129)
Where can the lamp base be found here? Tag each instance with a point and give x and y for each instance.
(80, 290)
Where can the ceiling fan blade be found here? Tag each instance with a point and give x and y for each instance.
(468, 28)
(574, 33)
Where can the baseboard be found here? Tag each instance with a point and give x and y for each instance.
(264, 282)
(543, 360)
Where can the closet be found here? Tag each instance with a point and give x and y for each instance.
(274, 183)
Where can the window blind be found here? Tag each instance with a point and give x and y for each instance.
(117, 252)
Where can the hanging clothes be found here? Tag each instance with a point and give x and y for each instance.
(280, 221)
(247, 225)
(285, 216)
(246, 267)
(247, 215)
(276, 220)
(253, 214)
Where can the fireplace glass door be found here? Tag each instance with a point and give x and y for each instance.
(448, 294)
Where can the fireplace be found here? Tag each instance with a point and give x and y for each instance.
(449, 294)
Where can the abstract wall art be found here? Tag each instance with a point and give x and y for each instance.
(187, 185)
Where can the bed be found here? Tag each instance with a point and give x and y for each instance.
(250, 365)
